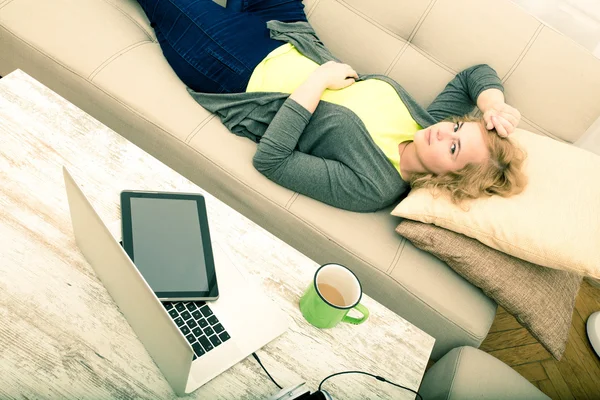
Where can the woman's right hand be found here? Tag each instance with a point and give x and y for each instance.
(334, 75)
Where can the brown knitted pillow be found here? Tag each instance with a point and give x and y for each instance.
(541, 299)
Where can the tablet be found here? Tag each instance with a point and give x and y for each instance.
(167, 237)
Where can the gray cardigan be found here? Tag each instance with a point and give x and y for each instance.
(329, 155)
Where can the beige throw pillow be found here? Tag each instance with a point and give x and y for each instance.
(541, 299)
(555, 222)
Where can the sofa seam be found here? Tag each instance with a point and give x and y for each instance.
(369, 20)
(199, 127)
(131, 19)
(291, 201)
(456, 363)
(115, 56)
(314, 7)
(410, 37)
(432, 58)
(524, 52)
(41, 52)
(421, 20)
(516, 65)
(397, 256)
(470, 334)
(544, 131)
(7, 2)
(396, 58)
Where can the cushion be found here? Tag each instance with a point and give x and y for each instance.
(554, 222)
(541, 299)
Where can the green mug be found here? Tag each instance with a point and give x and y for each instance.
(334, 291)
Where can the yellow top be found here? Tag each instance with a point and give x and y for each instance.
(375, 102)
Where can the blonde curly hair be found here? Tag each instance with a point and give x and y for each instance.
(501, 175)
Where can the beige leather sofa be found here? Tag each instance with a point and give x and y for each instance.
(103, 56)
(466, 373)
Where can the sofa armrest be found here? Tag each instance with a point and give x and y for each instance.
(469, 373)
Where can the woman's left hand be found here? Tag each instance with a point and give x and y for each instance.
(502, 117)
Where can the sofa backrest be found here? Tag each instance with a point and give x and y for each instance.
(553, 81)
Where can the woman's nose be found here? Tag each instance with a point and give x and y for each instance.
(445, 134)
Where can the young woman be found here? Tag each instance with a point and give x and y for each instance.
(357, 142)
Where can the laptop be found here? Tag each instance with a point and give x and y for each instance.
(242, 318)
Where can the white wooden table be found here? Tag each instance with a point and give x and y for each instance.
(61, 334)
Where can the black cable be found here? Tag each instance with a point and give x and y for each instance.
(379, 378)
(263, 367)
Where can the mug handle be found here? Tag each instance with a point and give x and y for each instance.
(357, 321)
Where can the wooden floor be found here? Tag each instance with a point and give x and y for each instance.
(575, 376)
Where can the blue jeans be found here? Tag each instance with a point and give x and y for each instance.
(214, 49)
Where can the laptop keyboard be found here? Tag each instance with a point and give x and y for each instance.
(198, 324)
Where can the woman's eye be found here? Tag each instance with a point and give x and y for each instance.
(453, 148)
(456, 126)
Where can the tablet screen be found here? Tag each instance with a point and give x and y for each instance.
(168, 244)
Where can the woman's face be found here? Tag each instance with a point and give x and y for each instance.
(449, 146)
